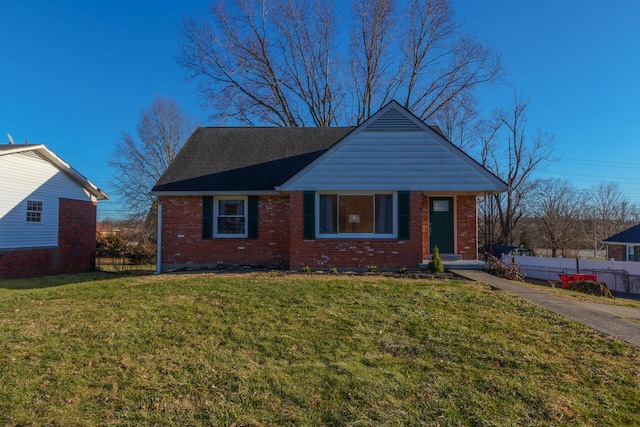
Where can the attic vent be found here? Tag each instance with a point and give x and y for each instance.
(393, 120)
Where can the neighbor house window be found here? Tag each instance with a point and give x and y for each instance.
(230, 218)
(356, 214)
(34, 211)
(632, 253)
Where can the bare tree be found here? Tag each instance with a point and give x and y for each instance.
(460, 123)
(514, 157)
(286, 62)
(308, 41)
(265, 62)
(372, 55)
(139, 162)
(558, 207)
(487, 135)
(441, 62)
(608, 212)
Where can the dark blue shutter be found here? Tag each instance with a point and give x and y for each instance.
(404, 215)
(207, 217)
(309, 215)
(252, 217)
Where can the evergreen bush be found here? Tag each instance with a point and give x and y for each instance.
(436, 265)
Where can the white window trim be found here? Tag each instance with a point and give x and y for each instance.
(41, 212)
(357, 235)
(216, 209)
(630, 252)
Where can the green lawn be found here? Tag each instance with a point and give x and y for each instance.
(293, 349)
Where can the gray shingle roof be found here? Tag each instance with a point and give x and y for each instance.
(245, 158)
(630, 235)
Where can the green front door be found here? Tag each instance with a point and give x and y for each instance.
(441, 224)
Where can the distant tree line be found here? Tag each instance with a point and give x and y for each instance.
(559, 217)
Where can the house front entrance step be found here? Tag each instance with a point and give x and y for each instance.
(460, 264)
(447, 257)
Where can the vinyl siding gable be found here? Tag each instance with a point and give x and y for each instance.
(27, 176)
(393, 152)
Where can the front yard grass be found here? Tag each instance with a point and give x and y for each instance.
(281, 349)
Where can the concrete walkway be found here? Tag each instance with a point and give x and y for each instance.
(602, 317)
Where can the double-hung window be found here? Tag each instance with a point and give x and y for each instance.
(34, 211)
(357, 215)
(230, 216)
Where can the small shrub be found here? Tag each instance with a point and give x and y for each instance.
(111, 245)
(305, 269)
(372, 268)
(497, 267)
(403, 270)
(142, 253)
(436, 265)
(333, 270)
(589, 287)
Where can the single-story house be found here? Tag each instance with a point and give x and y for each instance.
(624, 246)
(47, 214)
(384, 193)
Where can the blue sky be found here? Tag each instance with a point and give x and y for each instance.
(75, 75)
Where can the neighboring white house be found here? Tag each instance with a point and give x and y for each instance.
(47, 213)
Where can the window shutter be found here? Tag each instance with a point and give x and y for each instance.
(309, 215)
(252, 217)
(404, 215)
(207, 217)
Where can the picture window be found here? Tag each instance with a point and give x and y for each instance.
(356, 214)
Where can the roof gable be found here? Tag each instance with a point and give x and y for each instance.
(628, 236)
(48, 155)
(394, 150)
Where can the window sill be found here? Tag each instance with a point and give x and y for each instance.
(351, 236)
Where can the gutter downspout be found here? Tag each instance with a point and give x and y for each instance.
(159, 241)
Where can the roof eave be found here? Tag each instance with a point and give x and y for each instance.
(63, 166)
(214, 193)
(609, 242)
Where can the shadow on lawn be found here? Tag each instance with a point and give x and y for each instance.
(68, 279)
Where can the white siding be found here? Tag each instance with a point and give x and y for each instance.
(402, 160)
(27, 176)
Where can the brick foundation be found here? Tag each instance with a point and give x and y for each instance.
(75, 252)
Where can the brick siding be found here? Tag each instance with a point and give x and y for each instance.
(355, 253)
(280, 238)
(183, 245)
(75, 252)
(616, 252)
(467, 227)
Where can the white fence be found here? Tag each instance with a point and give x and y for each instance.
(619, 276)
